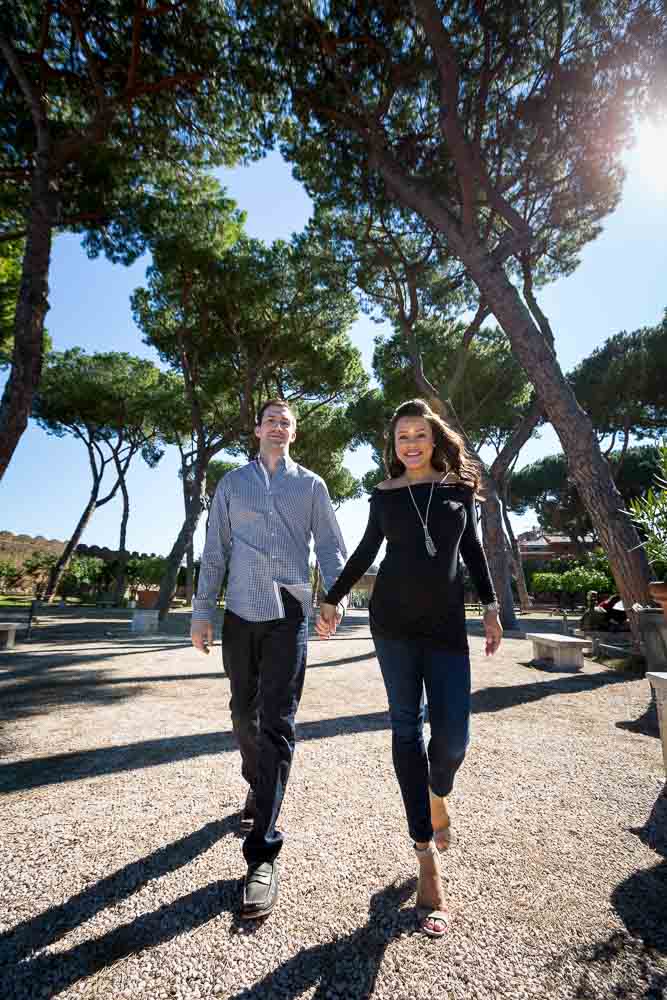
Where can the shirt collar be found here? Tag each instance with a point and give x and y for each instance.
(286, 463)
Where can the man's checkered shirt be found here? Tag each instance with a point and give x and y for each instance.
(260, 529)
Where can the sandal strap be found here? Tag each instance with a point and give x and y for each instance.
(423, 852)
(434, 915)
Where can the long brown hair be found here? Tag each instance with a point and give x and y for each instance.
(449, 452)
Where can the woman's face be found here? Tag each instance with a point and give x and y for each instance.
(413, 441)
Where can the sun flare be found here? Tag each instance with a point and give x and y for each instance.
(651, 149)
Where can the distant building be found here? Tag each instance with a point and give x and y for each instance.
(538, 544)
(360, 594)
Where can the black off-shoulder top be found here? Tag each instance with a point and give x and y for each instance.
(418, 596)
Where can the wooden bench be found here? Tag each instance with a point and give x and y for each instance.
(7, 635)
(564, 650)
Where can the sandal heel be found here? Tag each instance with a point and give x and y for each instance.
(429, 856)
(442, 835)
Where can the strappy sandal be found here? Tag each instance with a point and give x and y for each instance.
(442, 835)
(428, 856)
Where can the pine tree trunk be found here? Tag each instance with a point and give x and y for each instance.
(496, 552)
(180, 546)
(189, 573)
(586, 465)
(190, 551)
(31, 309)
(524, 596)
(119, 583)
(498, 473)
(58, 570)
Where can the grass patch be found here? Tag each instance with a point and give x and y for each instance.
(7, 601)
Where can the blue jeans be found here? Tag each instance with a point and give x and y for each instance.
(266, 665)
(408, 666)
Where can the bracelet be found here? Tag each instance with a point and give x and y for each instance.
(493, 606)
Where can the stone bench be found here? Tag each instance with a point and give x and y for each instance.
(564, 650)
(658, 681)
(7, 635)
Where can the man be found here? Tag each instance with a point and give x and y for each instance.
(262, 520)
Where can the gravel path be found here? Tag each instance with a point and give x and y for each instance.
(121, 867)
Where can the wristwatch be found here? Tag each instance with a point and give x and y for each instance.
(493, 606)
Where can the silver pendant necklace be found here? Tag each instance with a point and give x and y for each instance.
(428, 541)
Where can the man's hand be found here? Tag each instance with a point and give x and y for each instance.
(327, 620)
(201, 634)
(493, 631)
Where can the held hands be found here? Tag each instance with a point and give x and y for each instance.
(201, 634)
(493, 631)
(329, 617)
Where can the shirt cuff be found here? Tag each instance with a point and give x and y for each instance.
(332, 598)
(206, 614)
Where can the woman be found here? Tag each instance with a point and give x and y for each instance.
(425, 510)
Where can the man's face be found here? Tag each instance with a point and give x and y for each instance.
(277, 429)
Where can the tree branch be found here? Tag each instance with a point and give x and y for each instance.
(34, 99)
(468, 160)
(137, 21)
(532, 304)
(516, 441)
(462, 358)
(10, 237)
(98, 83)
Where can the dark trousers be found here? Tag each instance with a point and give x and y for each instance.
(408, 666)
(266, 665)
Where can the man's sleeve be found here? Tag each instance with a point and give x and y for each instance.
(215, 557)
(329, 545)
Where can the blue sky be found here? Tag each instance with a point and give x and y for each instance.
(620, 284)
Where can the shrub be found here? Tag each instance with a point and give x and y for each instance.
(10, 575)
(547, 583)
(145, 573)
(581, 579)
(649, 514)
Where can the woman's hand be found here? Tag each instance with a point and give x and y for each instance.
(328, 618)
(493, 631)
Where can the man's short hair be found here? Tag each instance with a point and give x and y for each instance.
(274, 402)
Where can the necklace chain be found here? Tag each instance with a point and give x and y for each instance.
(428, 541)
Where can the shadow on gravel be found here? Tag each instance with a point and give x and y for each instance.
(631, 962)
(641, 899)
(69, 680)
(497, 699)
(347, 967)
(25, 665)
(647, 723)
(50, 974)
(24, 700)
(41, 771)
(621, 965)
(37, 772)
(344, 660)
